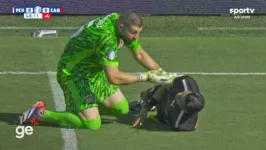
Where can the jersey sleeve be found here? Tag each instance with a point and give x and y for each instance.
(152, 100)
(135, 45)
(108, 53)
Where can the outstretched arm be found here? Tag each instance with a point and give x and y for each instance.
(108, 54)
(142, 56)
(146, 60)
(117, 77)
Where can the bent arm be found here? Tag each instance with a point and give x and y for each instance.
(117, 77)
(152, 97)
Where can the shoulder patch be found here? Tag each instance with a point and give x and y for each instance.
(111, 55)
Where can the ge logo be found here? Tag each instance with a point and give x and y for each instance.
(22, 130)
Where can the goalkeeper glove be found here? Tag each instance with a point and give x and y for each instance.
(153, 77)
(159, 79)
(146, 76)
(160, 72)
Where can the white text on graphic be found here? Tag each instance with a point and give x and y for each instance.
(241, 13)
(22, 130)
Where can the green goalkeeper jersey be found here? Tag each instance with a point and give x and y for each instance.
(93, 46)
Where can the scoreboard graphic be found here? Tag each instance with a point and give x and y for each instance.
(38, 12)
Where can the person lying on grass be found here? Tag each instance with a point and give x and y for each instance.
(177, 104)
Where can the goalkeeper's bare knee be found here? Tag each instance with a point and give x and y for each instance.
(91, 118)
(117, 103)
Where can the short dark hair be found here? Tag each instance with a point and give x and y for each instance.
(194, 102)
(131, 18)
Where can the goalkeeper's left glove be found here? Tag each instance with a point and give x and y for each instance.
(160, 72)
(146, 76)
(159, 79)
(162, 77)
(153, 76)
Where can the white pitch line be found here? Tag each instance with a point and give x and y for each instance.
(77, 27)
(231, 28)
(27, 73)
(186, 73)
(68, 135)
(36, 28)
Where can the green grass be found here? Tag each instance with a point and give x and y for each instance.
(233, 119)
(18, 94)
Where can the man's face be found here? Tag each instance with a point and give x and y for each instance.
(129, 33)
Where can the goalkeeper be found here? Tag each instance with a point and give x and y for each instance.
(177, 104)
(89, 76)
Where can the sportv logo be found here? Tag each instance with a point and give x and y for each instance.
(236, 11)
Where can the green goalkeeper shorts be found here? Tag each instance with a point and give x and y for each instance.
(82, 93)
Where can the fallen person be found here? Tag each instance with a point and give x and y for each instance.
(177, 104)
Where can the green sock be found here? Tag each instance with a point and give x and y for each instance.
(63, 119)
(106, 111)
(93, 124)
(120, 108)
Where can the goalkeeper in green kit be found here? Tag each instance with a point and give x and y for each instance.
(89, 76)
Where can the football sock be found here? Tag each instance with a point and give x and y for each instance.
(93, 124)
(70, 120)
(63, 119)
(120, 108)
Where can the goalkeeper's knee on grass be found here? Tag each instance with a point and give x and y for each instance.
(70, 120)
(92, 124)
(121, 107)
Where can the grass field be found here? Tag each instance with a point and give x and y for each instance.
(233, 119)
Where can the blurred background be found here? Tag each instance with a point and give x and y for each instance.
(161, 17)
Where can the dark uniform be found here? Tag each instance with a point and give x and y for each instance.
(168, 111)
